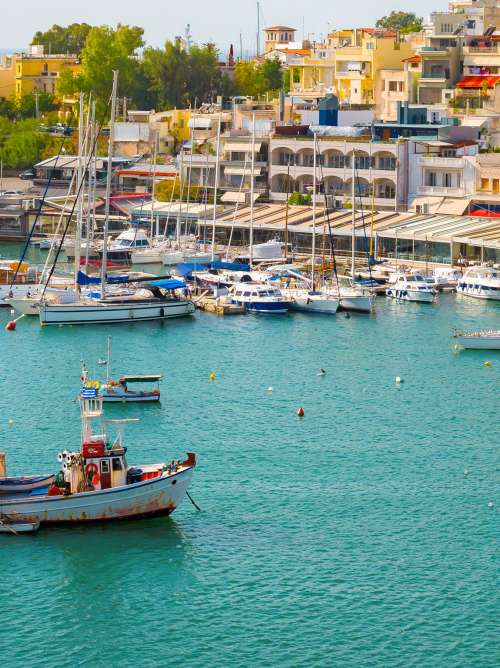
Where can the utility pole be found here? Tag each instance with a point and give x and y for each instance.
(37, 105)
(125, 109)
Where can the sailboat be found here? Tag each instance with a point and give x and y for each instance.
(309, 298)
(155, 300)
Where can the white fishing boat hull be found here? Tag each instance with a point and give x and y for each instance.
(157, 496)
(99, 313)
(172, 258)
(151, 256)
(314, 304)
(355, 302)
(479, 341)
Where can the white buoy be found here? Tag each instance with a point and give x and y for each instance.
(398, 380)
(12, 312)
(490, 504)
(270, 389)
(11, 422)
(466, 471)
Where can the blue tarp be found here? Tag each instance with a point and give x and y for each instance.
(168, 284)
(232, 266)
(83, 279)
(186, 268)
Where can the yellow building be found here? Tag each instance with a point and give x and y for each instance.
(25, 73)
(349, 64)
(360, 57)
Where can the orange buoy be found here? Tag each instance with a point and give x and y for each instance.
(11, 326)
(300, 412)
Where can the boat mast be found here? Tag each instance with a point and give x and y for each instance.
(216, 186)
(252, 188)
(91, 186)
(314, 214)
(108, 183)
(153, 189)
(353, 200)
(80, 191)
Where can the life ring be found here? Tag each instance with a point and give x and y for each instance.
(92, 473)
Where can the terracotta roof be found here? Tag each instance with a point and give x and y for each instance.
(281, 28)
(478, 81)
(412, 59)
(299, 52)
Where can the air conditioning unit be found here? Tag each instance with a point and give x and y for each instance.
(422, 209)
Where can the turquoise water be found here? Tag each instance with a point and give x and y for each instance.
(351, 537)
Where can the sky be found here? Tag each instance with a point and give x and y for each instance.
(221, 21)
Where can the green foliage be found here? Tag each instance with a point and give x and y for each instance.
(26, 106)
(60, 39)
(21, 143)
(255, 79)
(178, 78)
(193, 194)
(403, 22)
(107, 49)
(297, 199)
(7, 108)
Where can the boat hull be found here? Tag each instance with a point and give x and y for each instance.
(357, 303)
(68, 314)
(157, 496)
(479, 342)
(25, 484)
(129, 397)
(315, 305)
(270, 307)
(479, 292)
(411, 295)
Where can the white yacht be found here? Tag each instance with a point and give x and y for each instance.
(351, 297)
(311, 301)
(411, 288)
(480, 282)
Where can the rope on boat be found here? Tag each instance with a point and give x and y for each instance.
(193, 501)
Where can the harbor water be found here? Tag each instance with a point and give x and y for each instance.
(363, 534)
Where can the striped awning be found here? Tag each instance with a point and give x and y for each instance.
(242, 147)
(242, 171)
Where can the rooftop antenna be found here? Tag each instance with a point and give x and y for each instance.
(188, 37)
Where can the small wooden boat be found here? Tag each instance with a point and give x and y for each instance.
(9, 485)
(482, 340)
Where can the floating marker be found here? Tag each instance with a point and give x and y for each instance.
(12, 312)
(490, 504)
(466, 472)
(321, 372)
(300, 412)
(398, 380)
(11, 422)
(488, 363)
(10, 326)
(212, 377)
(270, 389)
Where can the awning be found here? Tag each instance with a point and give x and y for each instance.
(237, 197)
(478, 81)
(453, 205)
(241, 171)
(242, 147)
(200, 123)
(141, 379)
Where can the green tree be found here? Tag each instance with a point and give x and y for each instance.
(106, 49)
(255, 79)
(298, 199)
(196, 193)
(26, 106)
(20, 143)
(7, 108)
(63, 39)
(272, 74)
(403, 22)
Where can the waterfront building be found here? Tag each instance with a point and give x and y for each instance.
(278, 37)
(35, 72)
(380, 166)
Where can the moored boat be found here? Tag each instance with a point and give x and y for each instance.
(97, 484)
(411, 288)
(481, 283)
(258, 298)
(481, 340)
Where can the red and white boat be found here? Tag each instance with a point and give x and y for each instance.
(96, 483)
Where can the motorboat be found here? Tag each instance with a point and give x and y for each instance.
(127, 242)
(481, 282)
(411, 288)
(311, 301)
(259, 298)
(96, 482)
(351, 296)
(447, 277)
(481, 340)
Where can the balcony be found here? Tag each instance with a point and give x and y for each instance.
(442, 162)
(440, 191)
(434, 77)
(486, 50)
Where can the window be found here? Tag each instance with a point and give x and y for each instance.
(485, 184)
(336, 161)
(117, 464)
(387, 163)
(431, 179)
(104, 465)
(496, 185)
(447, 180)
(362, 162)
(446, 27)
(400, 86)
(370, 45)
(393, 86)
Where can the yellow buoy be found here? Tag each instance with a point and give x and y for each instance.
(212, 376)
(488, 363)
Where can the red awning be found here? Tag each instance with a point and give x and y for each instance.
(484, 213)
(478, 81)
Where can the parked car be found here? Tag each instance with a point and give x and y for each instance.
(27, 175)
